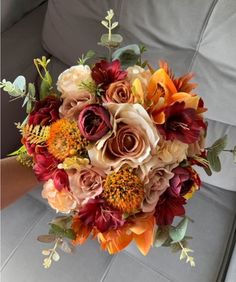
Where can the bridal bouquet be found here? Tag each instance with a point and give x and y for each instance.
(115, 144)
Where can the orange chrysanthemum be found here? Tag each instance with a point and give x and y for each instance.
(65, 139)
(123, 190)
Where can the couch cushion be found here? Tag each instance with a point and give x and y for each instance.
(14, 10)
(193, 35)
(20, 45)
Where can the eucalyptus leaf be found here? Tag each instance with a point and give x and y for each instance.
(55, 256)
(20, 83)
(177, 233)
(128, 55)
(219, 145)
(66, 247)
(162, 235)
(115, 41)
(214, 160)
(49, 238)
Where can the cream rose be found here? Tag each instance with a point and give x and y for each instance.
(69, 81)
(171, 152)
(61, 201)
(133, 140)
(140, 73)
(86, 184)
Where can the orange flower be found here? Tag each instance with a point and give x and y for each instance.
(81, 230)
(164, 90)
(141, 230)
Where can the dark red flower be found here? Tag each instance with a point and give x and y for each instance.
(182, 124)
(168, 207)
(45, 112)
(45, 168)
(181, 183)
(96, 214)
(94, 122)
(104, 73)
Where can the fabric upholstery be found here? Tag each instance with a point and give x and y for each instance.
(20, 45)
(14, 10)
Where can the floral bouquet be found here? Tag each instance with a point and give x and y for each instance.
(115, 145)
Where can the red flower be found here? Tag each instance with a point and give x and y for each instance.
(183, 181)
(105, 73)
(96, 214)
(94, 122)
(168, 207)
(182, 124)
(45, 112)
(45, 168)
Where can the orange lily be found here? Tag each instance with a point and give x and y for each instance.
(141, 230)
(81, 230)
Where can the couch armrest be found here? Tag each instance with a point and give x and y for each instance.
(20, 45)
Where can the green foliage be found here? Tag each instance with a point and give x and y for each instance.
(84, 58)
(214, 151)
(61, 226)
(22, 156)
(128, 55)
(162, 235)
(178, 232)
(15, 89)
(46, 84)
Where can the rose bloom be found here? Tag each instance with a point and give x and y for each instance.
(119, 92)
(140, 73)
(131, 142)
(72, 106)
(61, 201)
(94, 122)
(86, 184)
(69, 81)
(171, 152)
(156, 181)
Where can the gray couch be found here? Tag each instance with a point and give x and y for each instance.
(192, 35)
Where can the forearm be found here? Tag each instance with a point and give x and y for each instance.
(16, 180)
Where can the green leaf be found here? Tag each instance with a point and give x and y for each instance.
(57, 230)
(214, 160)
(19, 151)
(128, 55)
(62, 221)
(29, 107)
(219, 145)
(31, 90)
(45, 86)
(20, 83)
(177, 233)
(161, 237)
(115, 41)
(207, 170)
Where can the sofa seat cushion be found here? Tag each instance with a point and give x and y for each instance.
(20, 45)
(212, 209)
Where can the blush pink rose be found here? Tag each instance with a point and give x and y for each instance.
(86, 184)
(157, 183)
(72, 106)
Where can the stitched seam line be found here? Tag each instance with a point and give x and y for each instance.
(205, 24)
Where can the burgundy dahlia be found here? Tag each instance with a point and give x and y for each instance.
(94, 122)
(45, 168)
(181, 123)
(104, 73)
(96, 214)
(168, 207)
(45, 112)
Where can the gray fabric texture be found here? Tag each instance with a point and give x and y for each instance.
(213, 212)
(20, 45)
(14, 10)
